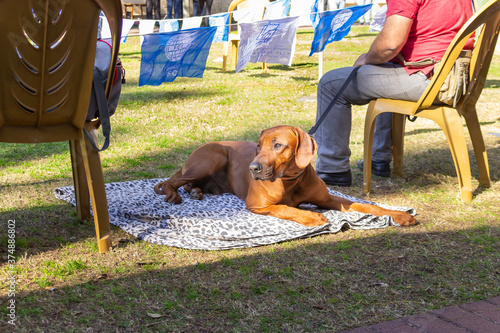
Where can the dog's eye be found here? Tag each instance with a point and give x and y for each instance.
(277, 145)
(258, 146)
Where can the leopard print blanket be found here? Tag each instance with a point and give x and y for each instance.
(218, 222)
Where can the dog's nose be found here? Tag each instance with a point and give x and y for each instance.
(255, 167)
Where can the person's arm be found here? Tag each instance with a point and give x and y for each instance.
(388, 43)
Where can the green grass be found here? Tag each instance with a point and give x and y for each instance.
(328, 283)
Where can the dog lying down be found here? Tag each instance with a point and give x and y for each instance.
(273, 177)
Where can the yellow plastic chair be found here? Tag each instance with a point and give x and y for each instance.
(234, 39)
(48, 50)
(448, 118)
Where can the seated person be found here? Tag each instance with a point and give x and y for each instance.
(418, 29)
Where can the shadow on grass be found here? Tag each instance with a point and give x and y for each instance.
(433, 130)
(58, 222)
(305, 31)
(492, 84)
(306, 64)
(304, 78)
(274, 69)
(324, 284)
(12, 154)
(50, 222)
(440, 161)
(164, 95)
(370, 34)
(132, 54)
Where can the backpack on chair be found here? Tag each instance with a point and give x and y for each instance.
(99, 106)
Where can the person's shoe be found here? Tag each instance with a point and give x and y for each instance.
(379, 168)
(336, 178)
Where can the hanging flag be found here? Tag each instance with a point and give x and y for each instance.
(191, 22)
(105, 32)
(183, 53)
(277, 9)
(378, 20)
(126, 26)
(221, 21)
(335, 25)
(253, 12)
(146, 27)
(315, 13)
(270, 41)
(168, 25)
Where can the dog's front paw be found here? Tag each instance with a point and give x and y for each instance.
(159, 188)
(316, 219)
(171, 195)
(403, 219)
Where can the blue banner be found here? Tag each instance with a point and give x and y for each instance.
(168, 25)
(166, 56)
(334, 25)
(221, 21)
(315, 13)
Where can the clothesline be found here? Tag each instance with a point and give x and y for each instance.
(147, 26)
(225, 25)
(184, 53)
(218, 14)
(206, 16)
(306, 10)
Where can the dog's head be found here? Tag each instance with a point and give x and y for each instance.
(282, 152)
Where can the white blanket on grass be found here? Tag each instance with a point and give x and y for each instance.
(218, 222)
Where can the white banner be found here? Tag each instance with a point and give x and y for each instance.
(191, 22)
(269, 41)
(146, 27)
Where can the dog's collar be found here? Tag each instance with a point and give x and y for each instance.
(296, 177)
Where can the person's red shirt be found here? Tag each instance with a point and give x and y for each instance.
(435, 24)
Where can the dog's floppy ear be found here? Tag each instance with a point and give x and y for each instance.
(306, 148)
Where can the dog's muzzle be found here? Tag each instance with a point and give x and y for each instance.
(258, 172)
(255, 168)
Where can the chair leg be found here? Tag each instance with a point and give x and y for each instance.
(264, 68)
(82, 196)
(398, 135)
(371, 115)
(451, 123)
(235, 45)
(95, 181)
(479, 147)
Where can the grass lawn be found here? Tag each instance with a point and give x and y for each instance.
(323, 284)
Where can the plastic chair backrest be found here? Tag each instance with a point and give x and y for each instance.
(48, 51)
(489, 17)
(241, 4)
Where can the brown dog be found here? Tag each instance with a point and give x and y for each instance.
(279, 180)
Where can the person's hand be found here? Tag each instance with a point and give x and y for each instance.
(360, 61)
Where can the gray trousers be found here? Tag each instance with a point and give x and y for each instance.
(388, 80)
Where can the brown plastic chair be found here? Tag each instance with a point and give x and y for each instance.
(234, 39)
(448, 118)
(48, 51)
